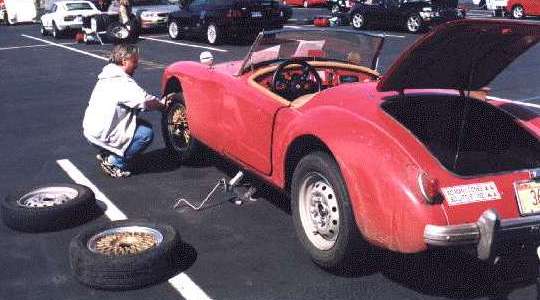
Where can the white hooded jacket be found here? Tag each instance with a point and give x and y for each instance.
(110, 118)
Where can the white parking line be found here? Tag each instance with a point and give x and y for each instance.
(516, 102)
(66, 47)
(32, 46)
(183, 44)
(181, 282)
(530, 99)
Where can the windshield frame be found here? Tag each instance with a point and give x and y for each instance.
(246, 66)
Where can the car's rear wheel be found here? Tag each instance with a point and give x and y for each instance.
(322, 212)
(176, 132)
(174, 31)
(358, 21)
(518, 12)
(414, 23)
(214, 35)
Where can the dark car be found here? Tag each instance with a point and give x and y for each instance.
(412, 15)
(218, 19)
(337, 6)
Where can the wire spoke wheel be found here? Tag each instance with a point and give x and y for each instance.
(47, 197)
(178, 127)
(319, 211)
(125, 241)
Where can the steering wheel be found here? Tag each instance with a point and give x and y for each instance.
(298, 84)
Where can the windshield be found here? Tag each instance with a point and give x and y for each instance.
(78, 6)
(314, 44)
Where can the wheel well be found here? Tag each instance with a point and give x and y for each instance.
(299, 148)
(173, 86)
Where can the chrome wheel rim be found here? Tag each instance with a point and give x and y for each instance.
(319, 211)
(121, 241)
(178, 127)
(120, 32)
(358, 21)
(413, 23)
(173, 30)
(335, 8)
(211, 34)
(47, 197)
(518, 12)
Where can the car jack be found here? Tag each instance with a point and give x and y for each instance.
(229, 190)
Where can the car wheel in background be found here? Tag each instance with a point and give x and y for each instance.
(322, 212)
(305, 4)
(56, 33)
(214, 34)
(176, 133)
(335, 8)
(414, 23)
(48, 208)
(358, 21)
(518, 12)
(125, 254)
(43, 30)
(174, 31)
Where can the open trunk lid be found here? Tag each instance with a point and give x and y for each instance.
(461, 55)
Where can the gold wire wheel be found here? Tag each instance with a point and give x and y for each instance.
(178, 126)
(122, 241)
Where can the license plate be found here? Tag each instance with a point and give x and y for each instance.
(528, 196)
(256, 14)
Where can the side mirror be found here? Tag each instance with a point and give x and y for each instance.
(207, 58)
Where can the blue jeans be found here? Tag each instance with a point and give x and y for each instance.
(141, 140)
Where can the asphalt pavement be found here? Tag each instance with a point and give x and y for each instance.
(234, 252)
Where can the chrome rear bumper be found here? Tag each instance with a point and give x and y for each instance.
(488, 231)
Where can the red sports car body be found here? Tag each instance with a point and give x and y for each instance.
(408, 160)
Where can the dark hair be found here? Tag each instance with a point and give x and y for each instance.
(122, 52)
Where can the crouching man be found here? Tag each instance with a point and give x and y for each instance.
(110, 120)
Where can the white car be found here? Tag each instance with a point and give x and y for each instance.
(66, 15)
(19, 11)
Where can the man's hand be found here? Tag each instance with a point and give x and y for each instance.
(169, 99)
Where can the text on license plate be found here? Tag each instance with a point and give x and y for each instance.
(528, 196)
(256, 14)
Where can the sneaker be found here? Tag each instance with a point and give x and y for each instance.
(111, 169)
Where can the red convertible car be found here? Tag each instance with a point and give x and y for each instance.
(405, 161)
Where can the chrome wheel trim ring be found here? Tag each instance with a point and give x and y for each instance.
(47, 197)
(211, 33)
(319, 211)
(173, 30)
(123, 241)
(358, 21)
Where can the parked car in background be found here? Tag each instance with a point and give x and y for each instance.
(19, 11)
(306, 3)
(217, 20)
(519, 9)
(149, 13)
(2, 11)
(66, 16)
(336, 6)
(407, 161)
(412, 15)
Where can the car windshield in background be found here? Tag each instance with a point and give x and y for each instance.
(331, 45)
(152, 2)
(78, 6)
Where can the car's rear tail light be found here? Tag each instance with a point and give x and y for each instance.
(429, 187)
(234, 13)
(69, 18)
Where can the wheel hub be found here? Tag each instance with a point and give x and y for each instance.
(47, 197)
(320, 214)
(179, 125)
(125, 241)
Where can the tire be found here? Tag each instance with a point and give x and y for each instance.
(119, 264)
(43, 30)
(518, 12)
(56, 33)
(305, 4)
(174, 31)
(331, 246)
(214, 34)
(117, 32)
(185, 150)
(358, 21)
(67, 205)
(413, 23)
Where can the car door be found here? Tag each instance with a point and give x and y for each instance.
(375, 11)
(248, 119)
(196, 13)
(393, 12)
